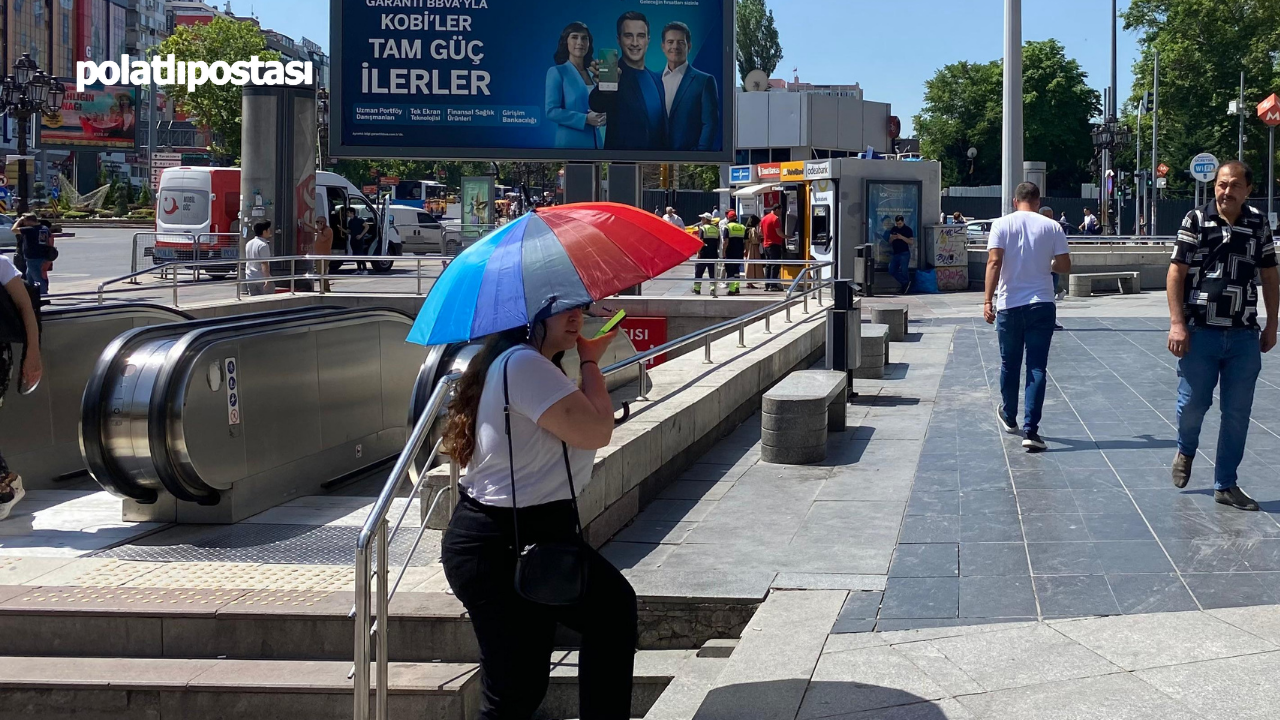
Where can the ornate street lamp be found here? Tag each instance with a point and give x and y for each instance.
(26, 92)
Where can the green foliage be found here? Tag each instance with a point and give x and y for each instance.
(143, 214)
(964, 108)
(122, 201)
(74, 215)
(217, 106)
(366, 172)
(1204, 44)
(144, 195)
(109, 199)
(758, 46)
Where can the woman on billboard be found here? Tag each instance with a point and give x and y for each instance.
(569, 86)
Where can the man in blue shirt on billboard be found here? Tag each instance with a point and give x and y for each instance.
(692, 101)
(637, 117)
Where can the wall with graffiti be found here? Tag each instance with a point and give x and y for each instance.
(950, 257)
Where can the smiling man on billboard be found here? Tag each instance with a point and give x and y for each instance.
(693, 113)
(637, 115)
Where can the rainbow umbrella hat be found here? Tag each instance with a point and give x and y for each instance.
(548, 261)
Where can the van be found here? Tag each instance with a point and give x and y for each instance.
(417, 230)
(206, 201)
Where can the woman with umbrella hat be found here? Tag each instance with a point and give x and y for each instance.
(514, 552)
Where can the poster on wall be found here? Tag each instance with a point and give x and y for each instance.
(636, 80)
(102, 118)
(886, 200)
(477, 205)
(951, 257)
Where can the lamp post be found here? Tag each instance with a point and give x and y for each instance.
(1011, 137)
(28, 91)
(973, 153)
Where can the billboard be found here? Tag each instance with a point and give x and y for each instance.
(886, 200)
(584, 80)
(102, 118)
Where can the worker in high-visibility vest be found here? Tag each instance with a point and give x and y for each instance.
(733, 246)
(709, 231)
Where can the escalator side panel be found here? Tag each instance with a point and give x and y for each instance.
(400, 361)
(348, 375)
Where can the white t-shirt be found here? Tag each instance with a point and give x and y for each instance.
(7, 270)
(536, 384)
(1030, 241)
(674, 220)
(257, 249)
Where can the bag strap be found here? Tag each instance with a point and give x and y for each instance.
(511, 464)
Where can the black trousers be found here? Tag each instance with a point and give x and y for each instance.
(516, 636)
(735, 250)
(706, 267)
(773, 271)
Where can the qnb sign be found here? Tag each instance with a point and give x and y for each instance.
(193, 73)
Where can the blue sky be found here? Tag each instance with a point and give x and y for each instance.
(891, 48)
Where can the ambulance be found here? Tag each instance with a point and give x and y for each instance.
(206, 200)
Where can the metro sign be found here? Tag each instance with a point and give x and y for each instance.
(1269, 110)
(1162, 170)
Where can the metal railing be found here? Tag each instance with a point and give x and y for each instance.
(373, 583)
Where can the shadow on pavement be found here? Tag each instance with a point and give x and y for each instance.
(822, 699)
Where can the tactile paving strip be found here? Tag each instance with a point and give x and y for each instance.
(246, 575)
(90, 597)
(249, 543)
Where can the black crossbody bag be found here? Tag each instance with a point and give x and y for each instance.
(548, 573)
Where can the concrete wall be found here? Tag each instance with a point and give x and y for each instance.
(1150, 260)
(808, 120)
(853, 175)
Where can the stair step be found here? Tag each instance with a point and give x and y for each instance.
(125, 688)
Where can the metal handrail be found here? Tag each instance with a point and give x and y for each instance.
(376, 531)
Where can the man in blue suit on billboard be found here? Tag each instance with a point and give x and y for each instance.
(637, 116)
(693, 106)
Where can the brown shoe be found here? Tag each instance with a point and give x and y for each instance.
(1236, 498)
(1181, 470)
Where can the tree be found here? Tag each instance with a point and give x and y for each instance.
(217, 106)
(1204, 44)
(964, 108)
(758, 46)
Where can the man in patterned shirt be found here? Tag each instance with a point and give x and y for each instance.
(1223, 250)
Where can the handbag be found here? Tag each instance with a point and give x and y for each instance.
(547, 573)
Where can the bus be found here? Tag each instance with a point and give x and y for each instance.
(429, 195)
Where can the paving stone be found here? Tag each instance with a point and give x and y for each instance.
(993, 597)
(1045, 501)
(1054, 528)
(648, 531)
(627, 555)
(688, 690)
(1249, 693)
(1075, 595)
(867, 679)
(1022, 656)
(993, 559)
(828, 581)
(920, 598)
(990, 528)
(930, 529)
(736, 584)
(696, 490)
(1063, 558)
(987, 502)
(934, 503)
(1148, 593)
(1129, 526)
(861, 605)
(1119, 697)
(1223, 590)
(1131, 557)
(1138, 642)
(1260, 620)
(929, 560)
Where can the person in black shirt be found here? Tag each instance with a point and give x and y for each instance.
(637, 110)
(1222, 252)
(900, 239)
(355, 239)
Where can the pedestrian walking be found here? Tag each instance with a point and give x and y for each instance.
(673, 218)
(1023, 250)
(709, 231)
(1223, 252)
(526, 433)
(733, 246)
(901, 238)
(19, 313)
(323, 247)
(34, 252)
(259, 248)
(1090, 224)
(754, 270)
(771, 240)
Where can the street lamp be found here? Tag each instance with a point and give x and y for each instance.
(26, 92)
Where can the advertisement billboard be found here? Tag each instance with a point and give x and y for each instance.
(477, 205)
(885, 202)
(102, 118)
(584, 80)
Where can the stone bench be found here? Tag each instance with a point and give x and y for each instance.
(797, 413)
(895, 316)
(874, 352)
(1081, 284)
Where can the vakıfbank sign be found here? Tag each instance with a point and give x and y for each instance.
(523, 79)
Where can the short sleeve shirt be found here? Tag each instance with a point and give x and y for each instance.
(770, 231)
(900, 246)
(535, 385)
(7, 270)
(1030, 242)
(1223, 261)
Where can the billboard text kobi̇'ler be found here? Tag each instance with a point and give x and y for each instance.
(640, 80)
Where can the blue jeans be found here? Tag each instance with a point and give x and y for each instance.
(35, 275)
(1231, 360)
(898, 268)
(1028, 330)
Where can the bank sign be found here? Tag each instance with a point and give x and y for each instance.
(533, 80)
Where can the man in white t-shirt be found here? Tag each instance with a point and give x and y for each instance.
(259, 248)
(673, 218)
(1024, 249)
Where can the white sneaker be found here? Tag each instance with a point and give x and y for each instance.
(18, 494)
(1061, 294)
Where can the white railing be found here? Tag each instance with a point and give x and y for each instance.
(373, 583)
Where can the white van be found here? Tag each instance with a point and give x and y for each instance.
(416, 230)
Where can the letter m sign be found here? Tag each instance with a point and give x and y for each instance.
(1269, 110)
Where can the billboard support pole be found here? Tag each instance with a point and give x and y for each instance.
(581, 182)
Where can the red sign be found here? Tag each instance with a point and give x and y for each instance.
(769, 171)
(389, 180)
(646, 333)
(369, 189)
(1162, 170)
(895, 127)
(1269, 110)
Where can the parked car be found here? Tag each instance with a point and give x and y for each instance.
(976, 230)
(419, 232)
